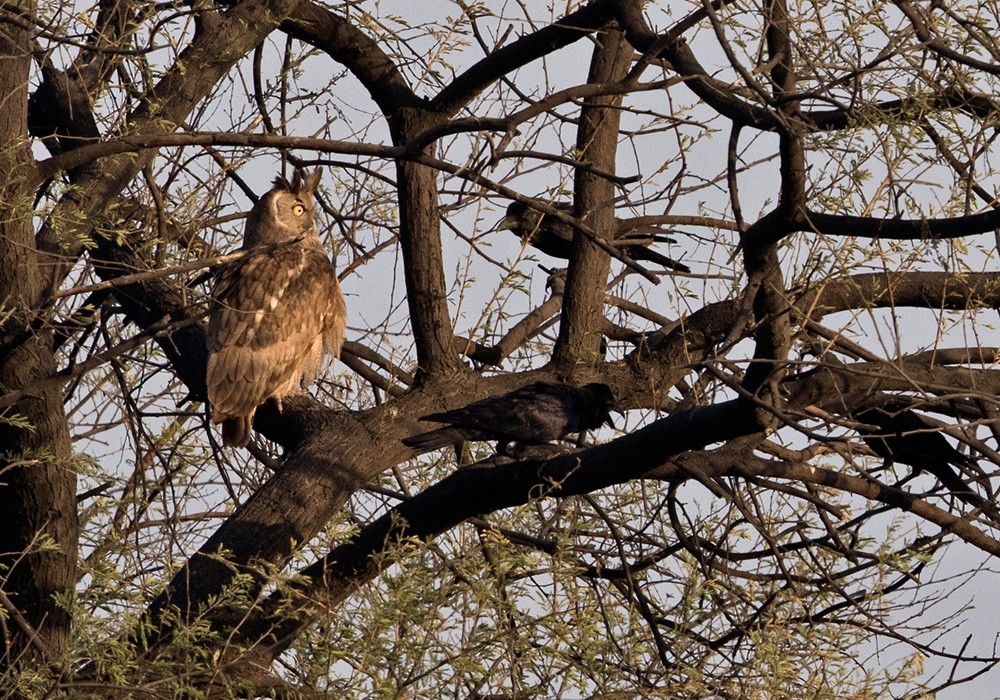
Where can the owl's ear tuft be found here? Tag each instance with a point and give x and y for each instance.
(280, 183)
(312, 181)
(302, 183)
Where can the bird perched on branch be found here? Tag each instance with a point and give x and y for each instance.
(555, 237)
(60, 112)
(532, 415)
(909, 438)
(275, 313)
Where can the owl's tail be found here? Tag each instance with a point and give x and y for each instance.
(236, 431)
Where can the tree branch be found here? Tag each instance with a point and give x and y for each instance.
(213, 50)
(579, 340)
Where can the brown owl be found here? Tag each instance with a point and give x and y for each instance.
(274, 314)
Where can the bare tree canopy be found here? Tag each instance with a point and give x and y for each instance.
(768, 229)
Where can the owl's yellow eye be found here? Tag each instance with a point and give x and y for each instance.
(298, 210)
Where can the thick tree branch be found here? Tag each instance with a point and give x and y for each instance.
(38, 542)
(717, 94)
(423, 262)
(131, 143)
(721, 97)
(772, 334)
(919, 23)
(900, 229)
(501, 62)
(347, 44)
(579, 340)
(473, 490)
(485, 489)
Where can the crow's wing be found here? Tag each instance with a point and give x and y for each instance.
(536, 413)
(908, 438)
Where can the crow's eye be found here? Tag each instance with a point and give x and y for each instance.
(298, 210)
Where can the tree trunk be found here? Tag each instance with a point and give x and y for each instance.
(38, 537)
(597, 145)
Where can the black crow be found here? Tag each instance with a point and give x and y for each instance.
(60, 113)
(908, 438)
(534, 415)
(554, 237)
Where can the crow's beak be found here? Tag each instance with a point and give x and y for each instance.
(508, 223)
(607, 420)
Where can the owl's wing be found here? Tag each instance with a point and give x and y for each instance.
(335, 317)
(242, 294)
(316, 316)
(264, 331)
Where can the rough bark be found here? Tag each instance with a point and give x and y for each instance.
(580, 339)
(38, 486)
(420, 241)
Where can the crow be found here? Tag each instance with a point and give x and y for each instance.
(533, 415)
(554, 237)
(909, 438)
(60, 112)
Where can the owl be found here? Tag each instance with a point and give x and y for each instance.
(273, 314)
